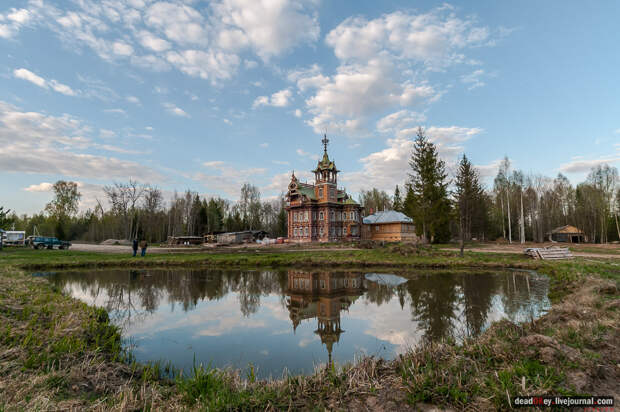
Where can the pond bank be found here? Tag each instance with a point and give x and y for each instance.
(57, 353)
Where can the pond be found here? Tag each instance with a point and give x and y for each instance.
(290, 321)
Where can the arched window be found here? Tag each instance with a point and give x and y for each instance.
(320, 215)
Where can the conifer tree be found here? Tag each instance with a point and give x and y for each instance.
(469, 198)
(397, 204)
(431, 207)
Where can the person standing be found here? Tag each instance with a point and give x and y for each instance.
(143, 246)
(134, 246)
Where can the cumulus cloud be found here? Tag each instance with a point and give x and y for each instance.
(435, 38)
(269, 27)
(202, 42)
(41, 187)
(174, 110)
(384, 65)
(37, 80)
(397, 121)
(390, 166)
(358, 92)
(12, 21)
(278, 99)
(584, 165)
(57, 145)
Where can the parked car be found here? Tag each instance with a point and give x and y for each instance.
(45, 242)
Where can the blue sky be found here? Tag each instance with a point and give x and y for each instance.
(209, 95)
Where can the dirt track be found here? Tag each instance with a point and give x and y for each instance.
(518, 248)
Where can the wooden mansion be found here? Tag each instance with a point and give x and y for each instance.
(321, 212)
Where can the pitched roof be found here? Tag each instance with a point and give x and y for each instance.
(307, 191)
(387, 216)
(567, 229)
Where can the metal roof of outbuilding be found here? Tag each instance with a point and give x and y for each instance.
(387, 216)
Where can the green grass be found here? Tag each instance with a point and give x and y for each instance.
(393, 255)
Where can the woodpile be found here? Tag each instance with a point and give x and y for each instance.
(549, 253)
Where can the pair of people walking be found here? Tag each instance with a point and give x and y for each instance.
(142, 244)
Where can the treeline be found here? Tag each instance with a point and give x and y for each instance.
(135, 210)
(518, 207)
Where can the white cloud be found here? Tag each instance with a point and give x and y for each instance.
(179, 22)
(280, 181)
(303, 153)
(116, 111)
(177, 111)
(473, 79)
(298, 113)
(152, 42)
(397, 121)
(390, 166)
(58, 145)
(580, 166)
(201, 41)
(133, 99)
(41, 187)
(27, 75)
(435, 38)
(122, 49)
(269, 27)
(213, 65)
(264, 145)
(278, 99)
(489, 170)
(358, 92)
(12, 21)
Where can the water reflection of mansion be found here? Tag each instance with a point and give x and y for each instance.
(322, 295)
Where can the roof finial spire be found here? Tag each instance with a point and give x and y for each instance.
(325, 141)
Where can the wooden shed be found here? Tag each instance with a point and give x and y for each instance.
(389, 226)
(568, 234)
(247, 236)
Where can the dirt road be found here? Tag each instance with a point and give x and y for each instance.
(518, 249)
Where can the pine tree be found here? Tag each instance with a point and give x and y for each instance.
(470, 199)
(430, 204)
(397, 204)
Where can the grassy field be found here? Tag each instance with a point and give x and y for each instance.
(58, 353)
(394, 255)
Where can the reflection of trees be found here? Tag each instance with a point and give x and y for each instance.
(130, 295)
(434, 304)
(438, 301)
(478, 291)
(523, 295)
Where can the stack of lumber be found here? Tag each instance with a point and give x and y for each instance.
(549, 253)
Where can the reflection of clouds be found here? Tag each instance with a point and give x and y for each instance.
(387, 322)
(227, 324)
(303, 342)
(277, 310)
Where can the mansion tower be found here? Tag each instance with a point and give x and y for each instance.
(321, 212)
